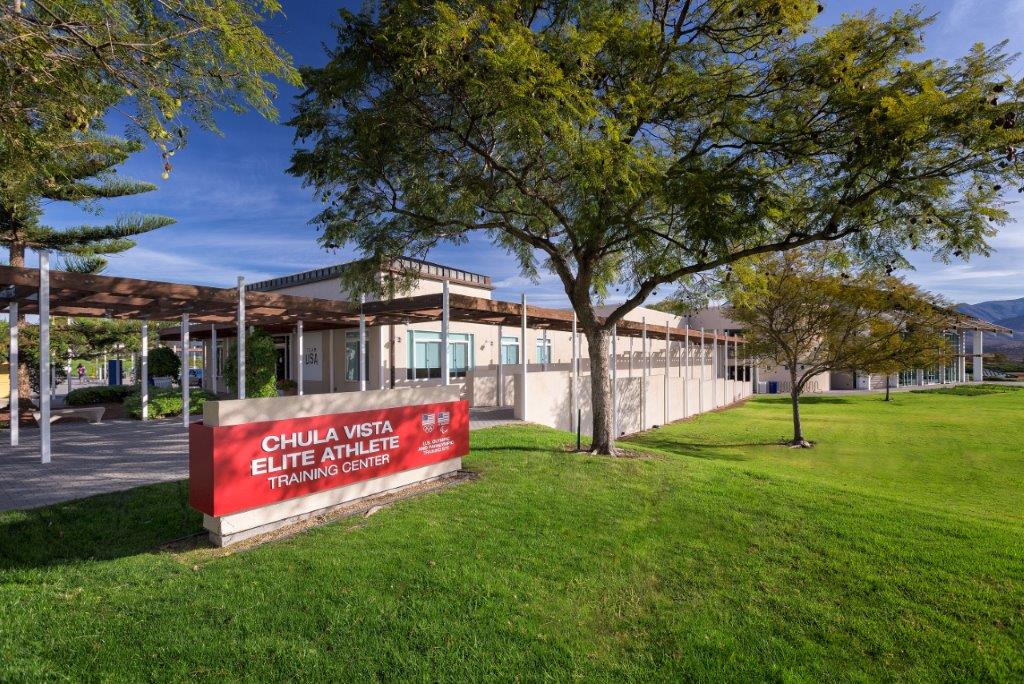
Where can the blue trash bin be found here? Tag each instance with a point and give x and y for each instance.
(773, 387)
(114, 372)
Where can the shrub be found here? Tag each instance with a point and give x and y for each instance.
(163, 362)
(260, 366)
(101, 394)
(165, 402)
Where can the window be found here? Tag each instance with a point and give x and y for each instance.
(509, 350)
(351, 352)
(543, 350)
(425, 354)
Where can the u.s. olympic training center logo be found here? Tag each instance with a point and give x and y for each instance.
(427, 421)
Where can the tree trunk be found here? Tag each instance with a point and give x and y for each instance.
(16, 257)
(601, 392)
(887, 382)
(798, 431)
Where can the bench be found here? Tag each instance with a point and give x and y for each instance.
(93, 414)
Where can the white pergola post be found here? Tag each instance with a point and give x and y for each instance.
(703, 372)
(979, 356)
(44, 356)
(615, 383)
(629, 367)
(963, 356)
(499, 395)
(644, 368)
(363, 362)
(686, 373)
(546, 349)
(185, 356)
(445, 313)
(522, 360)
(144, 371)
(735, 369)
(300, 342)
(714, 369)
(15, 375)
(330, 354)
(574, 399)
(668, 346)
(214, 371)
(240, 346)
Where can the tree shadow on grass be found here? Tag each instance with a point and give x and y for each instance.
(97, 528)
(708, 451)
(809, 400)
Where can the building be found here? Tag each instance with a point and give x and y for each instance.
(664, 371)
(962, 327)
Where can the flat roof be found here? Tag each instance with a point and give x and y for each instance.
(426, 269)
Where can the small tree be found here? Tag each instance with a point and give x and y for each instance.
(260, 365)
(800, 311)
(920, 345)
(163, 362)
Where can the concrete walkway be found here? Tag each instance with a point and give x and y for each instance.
(119, 454)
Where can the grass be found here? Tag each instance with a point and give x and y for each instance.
(890, 551)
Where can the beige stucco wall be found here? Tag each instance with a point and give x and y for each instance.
(641, 401)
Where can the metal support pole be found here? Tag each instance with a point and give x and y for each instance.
(240, 346)
(575, 375)
(445, 313)
(144, 371)
(499, 393)
(44, 356)
(615, 383)
(361, 354)
(522, 360)
(300, 341)
(185, 356)
(15, 374)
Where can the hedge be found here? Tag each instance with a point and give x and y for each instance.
(100, 394)
(165, 402)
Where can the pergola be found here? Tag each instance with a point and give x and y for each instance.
(228, 311)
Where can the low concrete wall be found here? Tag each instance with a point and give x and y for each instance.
(641, 403)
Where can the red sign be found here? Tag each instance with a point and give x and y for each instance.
(234, 468)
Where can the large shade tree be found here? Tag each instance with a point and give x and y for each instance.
(629, 145)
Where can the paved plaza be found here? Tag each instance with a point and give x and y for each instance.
(111, 456)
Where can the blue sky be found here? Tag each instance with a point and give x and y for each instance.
(239, 213)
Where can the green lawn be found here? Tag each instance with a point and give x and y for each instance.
(893, 550)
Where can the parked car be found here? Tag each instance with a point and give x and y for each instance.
(195, 377)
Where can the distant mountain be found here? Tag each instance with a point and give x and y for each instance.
(1008, 313)
(996, 311)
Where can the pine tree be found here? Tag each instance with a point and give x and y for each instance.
(85, 175)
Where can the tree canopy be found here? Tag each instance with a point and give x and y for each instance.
(63, 63)
(626, 146)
